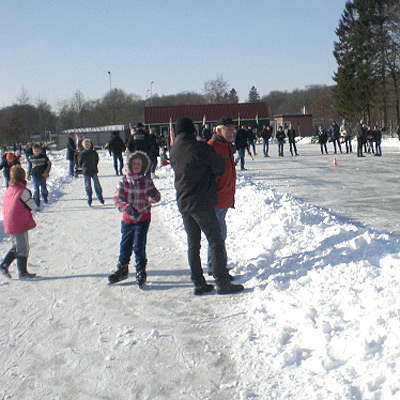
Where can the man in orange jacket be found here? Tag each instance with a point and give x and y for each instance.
(226, 183)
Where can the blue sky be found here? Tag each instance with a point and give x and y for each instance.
(53, 48)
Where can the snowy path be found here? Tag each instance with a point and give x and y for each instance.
(70, 336)
(319, 319)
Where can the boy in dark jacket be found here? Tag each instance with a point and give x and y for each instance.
(88, 160)
(39, 168)
(196, 166)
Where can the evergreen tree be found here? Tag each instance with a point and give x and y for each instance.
(254, 97)
(232, 96)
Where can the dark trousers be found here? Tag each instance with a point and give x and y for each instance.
(359, 147)
(71, 167)
(134, 238)
(338, 143)
(348, 145)
(323, 146)
(40, 185)
(265, 146)
(97, 187)
(292, 146)
(118, 158)
(206, 222)
(280, 147)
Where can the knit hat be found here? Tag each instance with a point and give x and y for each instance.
(139, 125)
(184, 124)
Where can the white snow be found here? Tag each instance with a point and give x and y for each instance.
(320, 317)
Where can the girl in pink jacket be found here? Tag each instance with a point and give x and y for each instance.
(17, 217)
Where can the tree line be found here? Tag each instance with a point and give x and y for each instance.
(368, 57)
(367, 86)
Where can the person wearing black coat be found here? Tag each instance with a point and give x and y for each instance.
(322, 139)
(266, 134)
(291, 134)
(241, 145)
(71, 152)
(280, 137)
(116, 146)
(88, 160)
(196, 166)
(140, 141)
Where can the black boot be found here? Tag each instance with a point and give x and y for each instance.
(202, 287)
(22, 268)
(141, 276)
(228, 288)
(8, 259)
(120, 274)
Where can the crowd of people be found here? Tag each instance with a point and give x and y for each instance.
(205, 180)
(369, 138)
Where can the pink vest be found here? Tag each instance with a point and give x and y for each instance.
(17, 217)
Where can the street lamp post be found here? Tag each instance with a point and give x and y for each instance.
(109, 76)
(151, 93)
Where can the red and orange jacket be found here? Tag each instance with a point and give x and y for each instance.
(226, 183)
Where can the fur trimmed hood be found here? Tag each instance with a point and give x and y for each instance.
(145, 162)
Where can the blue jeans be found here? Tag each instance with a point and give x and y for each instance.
(241, 153)
(39, 185)
(280, 147)
(265, 146)
(118, 157)
(134, 238)
(97, 187)
(221, 215)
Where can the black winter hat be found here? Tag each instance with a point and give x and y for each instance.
(225, 122)
(184, 124)
(139, 125)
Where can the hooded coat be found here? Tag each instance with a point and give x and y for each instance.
(136, 191)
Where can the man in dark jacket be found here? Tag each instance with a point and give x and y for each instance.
(88, 160)
(241, 146)
(71, 152)
(196, 166)
(116, 146)
(266, 135)
(140, 140)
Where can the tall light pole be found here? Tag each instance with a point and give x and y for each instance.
(151, 93)
(109, 76)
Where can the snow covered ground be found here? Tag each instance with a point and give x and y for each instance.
(320, 317)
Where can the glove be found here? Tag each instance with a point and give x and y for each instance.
(45, 175)
(131, 211)
(152, 193)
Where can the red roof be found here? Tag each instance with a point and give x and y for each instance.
(212, 112)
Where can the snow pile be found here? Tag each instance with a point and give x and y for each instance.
(320, 318)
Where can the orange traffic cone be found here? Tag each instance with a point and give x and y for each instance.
(335, 164)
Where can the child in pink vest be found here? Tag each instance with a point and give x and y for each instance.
(17, 217)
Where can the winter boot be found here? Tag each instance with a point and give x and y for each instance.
(120, 274)
(202, 289)
(22, 268)
(229, 288)
(141, 276)
(8, 259)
